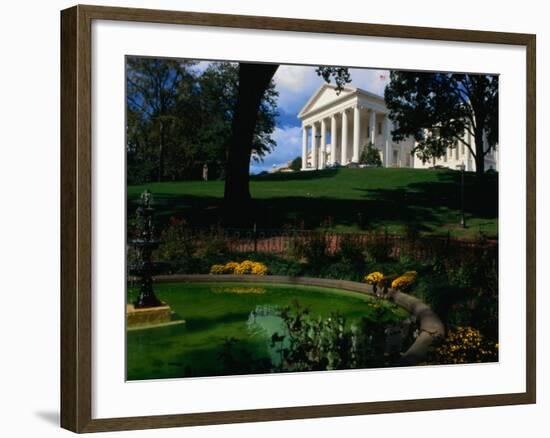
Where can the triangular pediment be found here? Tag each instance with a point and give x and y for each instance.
(323, 97)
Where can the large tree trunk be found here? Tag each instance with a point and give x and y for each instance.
(253, 82)
(480, 155)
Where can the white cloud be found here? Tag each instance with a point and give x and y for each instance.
(374, 81)
(289, 146)
(295, 85)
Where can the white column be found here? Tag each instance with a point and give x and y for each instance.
(304, 147)
(467, 159)
(387, 142)
(372, 126)
(356, 133)
(333, 139)
(314, 146)
(344, 138)
(323, 145)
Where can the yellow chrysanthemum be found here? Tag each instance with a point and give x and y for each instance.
(404, 281)
(230, 267)
(374, 277)
(217, 269)
(259, 269)
(466, 345)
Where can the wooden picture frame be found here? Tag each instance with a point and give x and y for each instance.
(76, 217)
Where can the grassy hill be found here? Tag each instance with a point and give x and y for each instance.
(343, 200)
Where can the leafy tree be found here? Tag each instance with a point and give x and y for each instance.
(296, 164)
(178, 119)
(253, 82)
(370, 155)
(437, 109)
(153, 92)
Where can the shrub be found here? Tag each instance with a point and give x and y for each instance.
(316, 251)
(466, 345)
(374, 277)
(175, 246)
(217, 269)
(370, 155)
(351, 251)
(341, 271)
(213, 248)
(259, 269)
(405, 282)
(247, 267)
(296, 164)
(309, 344)
(379, 248)
(230, 267)
(296, 247)
(244, 268)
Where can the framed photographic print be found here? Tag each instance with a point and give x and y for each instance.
(342, 224)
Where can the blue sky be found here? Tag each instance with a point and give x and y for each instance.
(295, 85)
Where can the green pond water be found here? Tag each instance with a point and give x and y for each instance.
(214, 312)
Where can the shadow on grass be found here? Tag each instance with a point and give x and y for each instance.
(296, 176)
(426, 205)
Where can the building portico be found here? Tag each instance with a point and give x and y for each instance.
(337, 127)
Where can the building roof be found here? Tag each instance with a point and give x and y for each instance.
(326, 96)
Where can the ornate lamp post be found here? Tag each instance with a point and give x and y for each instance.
(462, 168)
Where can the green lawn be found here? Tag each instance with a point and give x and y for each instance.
(345, 199)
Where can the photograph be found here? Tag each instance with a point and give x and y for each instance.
(294, 218)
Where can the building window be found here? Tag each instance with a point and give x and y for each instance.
(379, 128)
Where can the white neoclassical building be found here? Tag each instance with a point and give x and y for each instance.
(336, 128)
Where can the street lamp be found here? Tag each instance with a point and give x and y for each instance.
(462, 168)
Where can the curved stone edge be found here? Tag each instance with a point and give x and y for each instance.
(431, 327)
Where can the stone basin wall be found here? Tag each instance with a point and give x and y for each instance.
(431, 327)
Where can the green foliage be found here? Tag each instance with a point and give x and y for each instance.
(465, 345)
(296, 164)
(341, 271)
(351, 250)
(379, 248)
(437, 108)
(318, 344)
(176, 246)
(277, 265)
(315, 250)
(463, 293)
(341, 76)
(370, 155)
(214, 249)
(314, 344)
(178, 119)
